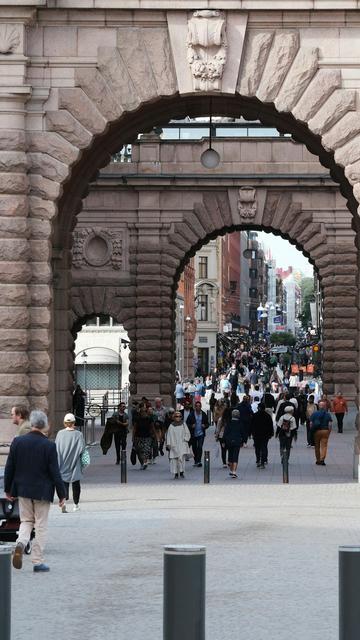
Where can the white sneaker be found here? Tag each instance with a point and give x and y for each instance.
(63, 509)
(76, 507)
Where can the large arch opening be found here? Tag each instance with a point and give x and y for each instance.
(158, 113)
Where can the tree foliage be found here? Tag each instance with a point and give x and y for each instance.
(285, 338)
(307, 296)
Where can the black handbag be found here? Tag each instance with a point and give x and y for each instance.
(133, 456)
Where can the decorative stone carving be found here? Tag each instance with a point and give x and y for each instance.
(9, 39)
(97, 248)
(247, 205)
(207, 49)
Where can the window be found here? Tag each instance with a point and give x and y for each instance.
(253, 274)
(233, 286)
(91, 322)
(252, 292)
(203, 267)
(203, 307)
(203, 339)
(104, 321)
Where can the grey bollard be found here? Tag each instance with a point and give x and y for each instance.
(206, 467)
(349, 580)
(102, 417)
(123, 466)
(184, 592)
(92, 430)
(285, 465)
(5, 592)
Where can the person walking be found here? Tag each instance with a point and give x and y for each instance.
(117, 426)
(219, 433)
(177, 443)
(20, 417)
(197, 423)
(246, 413)
(261, 429)
(32, 474)
(339, 407)
(286, 430)
(70, 444)
(234, 438)
(143, 435)
(79, 401)
(311, 407)
(320, 426)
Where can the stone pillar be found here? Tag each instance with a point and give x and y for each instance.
(340, 358)
(14, 186)
(152, 358)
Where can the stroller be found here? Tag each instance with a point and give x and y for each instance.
(10, 523)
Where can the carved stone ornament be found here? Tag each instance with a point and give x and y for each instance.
(9, 39)
(207, 49)
(247, 205)
(97, 248)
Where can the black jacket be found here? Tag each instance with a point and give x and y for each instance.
(234, 433)
(191, 422)
(32, 469)
(261, 427)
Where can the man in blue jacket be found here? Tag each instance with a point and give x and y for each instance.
(320, 429)
(32, 474)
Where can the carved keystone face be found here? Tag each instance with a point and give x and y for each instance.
(97, 251)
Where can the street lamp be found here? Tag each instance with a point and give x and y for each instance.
(187, 320)
(84, 356)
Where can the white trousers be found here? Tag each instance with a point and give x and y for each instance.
(34, 513)
(177, 465)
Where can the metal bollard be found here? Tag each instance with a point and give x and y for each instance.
(184, 592)
(206, 467)
(87, 432)
(5, 592)
(123, 466)
(102, 417)
(285, 465)
(92, 430)
(349, 611)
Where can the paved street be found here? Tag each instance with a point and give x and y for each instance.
(271, 549)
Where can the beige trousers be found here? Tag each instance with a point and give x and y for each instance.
(34, 513)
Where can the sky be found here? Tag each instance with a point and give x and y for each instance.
(285, 253)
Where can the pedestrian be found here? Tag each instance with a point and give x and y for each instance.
(79, 399)
(179, 393)
(70, 445)
(20, 417)
(117, 426)
(197, 423)
(219, 433)
(311, 407)
(286, 430)
(339, 407)
(177, 443)
(269, 401)
(320, 426)
(212, 403)
(261, 429)
(31, 475)
(245, 415)
(234, 438)
(143, 435)
(159, 413)
(255, 403)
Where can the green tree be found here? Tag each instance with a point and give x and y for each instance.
(286, 338)
(307, 296)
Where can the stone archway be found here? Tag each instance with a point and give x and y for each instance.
(144, 79)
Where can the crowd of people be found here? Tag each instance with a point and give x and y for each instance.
(251, 400)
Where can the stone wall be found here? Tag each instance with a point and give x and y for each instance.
(75, 85)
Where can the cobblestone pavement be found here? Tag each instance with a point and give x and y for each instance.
(271, 549)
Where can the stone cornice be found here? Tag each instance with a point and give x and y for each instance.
(249, 5)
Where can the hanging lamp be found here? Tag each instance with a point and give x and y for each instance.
(210, 158)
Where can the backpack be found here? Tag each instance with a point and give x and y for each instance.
(286, 425)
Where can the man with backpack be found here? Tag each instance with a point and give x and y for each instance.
(286, 430)
(320, 429)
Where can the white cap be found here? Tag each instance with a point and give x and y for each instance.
(69, 417)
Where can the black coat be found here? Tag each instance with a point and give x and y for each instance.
(191, 422)
(261, 427)
(32, 469)
(234, 433)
